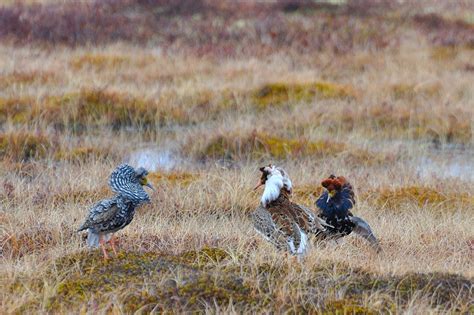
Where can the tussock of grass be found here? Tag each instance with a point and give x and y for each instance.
(78, 111)
(95, 107)
(444, 53)
(27, 77)
(410, 91)
(259, 145)
(17, 110)
(282, 93)
(103, 61)
(98, 61)
(421, 196)
(24, 146)
(83, 154)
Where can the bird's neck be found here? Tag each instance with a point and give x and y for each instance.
(282, 199)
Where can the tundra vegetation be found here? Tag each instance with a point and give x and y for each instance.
(203, 93)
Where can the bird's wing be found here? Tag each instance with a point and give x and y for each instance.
(348, 197)
(272, 226)
(101, 212)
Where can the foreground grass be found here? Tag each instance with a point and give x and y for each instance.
(194, 247)
(211, 277)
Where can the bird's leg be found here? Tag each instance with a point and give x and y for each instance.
(102, 245)
(112, 243)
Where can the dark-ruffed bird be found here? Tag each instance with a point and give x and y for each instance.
(283, 223)
(334, 208)
(110, 215)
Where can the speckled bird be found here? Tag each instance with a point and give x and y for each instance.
(280, 221)
(334, 206)
(110, 215)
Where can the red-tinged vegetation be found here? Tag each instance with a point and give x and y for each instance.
(202, 27)
(445, 32)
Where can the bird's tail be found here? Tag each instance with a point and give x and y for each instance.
(92, 239)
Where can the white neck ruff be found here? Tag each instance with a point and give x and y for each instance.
(272, 188)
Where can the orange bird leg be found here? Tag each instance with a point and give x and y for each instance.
(101, 242)
(112, 243)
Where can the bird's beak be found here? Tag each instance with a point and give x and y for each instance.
(330, 195)
(258, 185)
(149, 186)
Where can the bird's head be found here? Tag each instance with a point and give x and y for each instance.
(333, 185)
(272, 170)
(275, 180)
(141, 175)
(266, 171)
(129, 182)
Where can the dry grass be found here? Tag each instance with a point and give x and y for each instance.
(315, 88)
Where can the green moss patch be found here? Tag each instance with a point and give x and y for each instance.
(281, 93)
(90, 277)
(346, 307)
